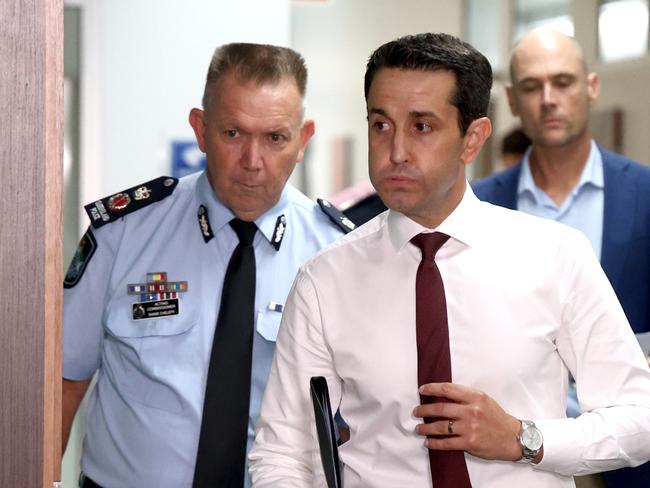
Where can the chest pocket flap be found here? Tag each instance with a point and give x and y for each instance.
(268, 324)
(120, 322)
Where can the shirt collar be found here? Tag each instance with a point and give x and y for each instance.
(459, 224)
(592, 174)
(219, 215)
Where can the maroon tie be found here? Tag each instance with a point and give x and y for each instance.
(448, 468)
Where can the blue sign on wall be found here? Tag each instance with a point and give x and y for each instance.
(187, 158)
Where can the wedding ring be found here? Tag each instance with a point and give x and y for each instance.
(450, 427)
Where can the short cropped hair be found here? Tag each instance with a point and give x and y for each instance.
(434, 52)
(260, 63)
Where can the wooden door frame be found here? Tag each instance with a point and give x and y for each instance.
(31, 268)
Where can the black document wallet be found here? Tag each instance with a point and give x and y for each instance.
(329, 453)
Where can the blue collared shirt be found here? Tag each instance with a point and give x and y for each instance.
(582, 209)
(144, 414)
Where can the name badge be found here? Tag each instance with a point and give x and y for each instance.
(154, 310)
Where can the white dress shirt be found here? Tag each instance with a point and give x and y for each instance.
(527, 302)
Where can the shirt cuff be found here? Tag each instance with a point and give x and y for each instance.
(563, 439)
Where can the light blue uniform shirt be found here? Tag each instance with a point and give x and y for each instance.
(582, 209)
(144, 415)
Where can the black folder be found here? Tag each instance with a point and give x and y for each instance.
(329, 452)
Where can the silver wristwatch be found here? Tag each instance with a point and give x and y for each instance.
(531, 441)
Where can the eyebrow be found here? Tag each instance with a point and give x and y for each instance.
(279, 128)
(412, 113)
(562, 74)
(416, 113)
(378, 111)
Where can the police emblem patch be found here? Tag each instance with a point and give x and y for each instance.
(80, 260)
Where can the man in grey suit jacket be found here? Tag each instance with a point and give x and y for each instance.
(565, 176)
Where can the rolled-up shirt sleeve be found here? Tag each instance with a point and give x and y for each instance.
(285, 452)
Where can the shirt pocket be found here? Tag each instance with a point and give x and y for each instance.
(154, 362)
(268, 324)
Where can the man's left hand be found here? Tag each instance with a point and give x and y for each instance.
(478, 423)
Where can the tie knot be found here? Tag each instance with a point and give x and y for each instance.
(429, 243)
(244, 230)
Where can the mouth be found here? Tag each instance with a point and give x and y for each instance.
(397, 181)
(247, 185)
(552, 121)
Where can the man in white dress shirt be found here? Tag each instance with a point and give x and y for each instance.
(526, 303)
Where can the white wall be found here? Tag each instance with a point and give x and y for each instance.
(336, 38)
(148, 60)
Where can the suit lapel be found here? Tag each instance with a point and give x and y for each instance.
(618, 215)
(505, 191)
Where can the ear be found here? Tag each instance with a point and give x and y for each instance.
(477, 133)
(593, 87)
(306, 131)
(512, 100)
(197, 121)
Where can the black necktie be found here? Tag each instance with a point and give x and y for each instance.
(448, 468)
(221, 456)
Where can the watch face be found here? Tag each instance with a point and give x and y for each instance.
(532, 438)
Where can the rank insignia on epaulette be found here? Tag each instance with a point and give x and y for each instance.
(80, 260)
(118, 202)
(278, 232)
(204, 224)
(123, 203)
(142, 193)
(336, 216)
(158, 297)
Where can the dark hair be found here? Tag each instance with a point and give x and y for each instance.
(433, 52)
(261, 63)
(516, 141)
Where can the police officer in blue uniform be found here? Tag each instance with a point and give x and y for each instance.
(142, 295)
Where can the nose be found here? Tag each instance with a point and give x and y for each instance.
(252, 155)
(398, 148)
(548, 94)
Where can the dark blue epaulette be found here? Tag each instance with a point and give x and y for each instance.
(336, 216)
(123, 203)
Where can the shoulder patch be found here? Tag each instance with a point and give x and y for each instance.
(85, 250)
(336, 216)
(123, 203)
